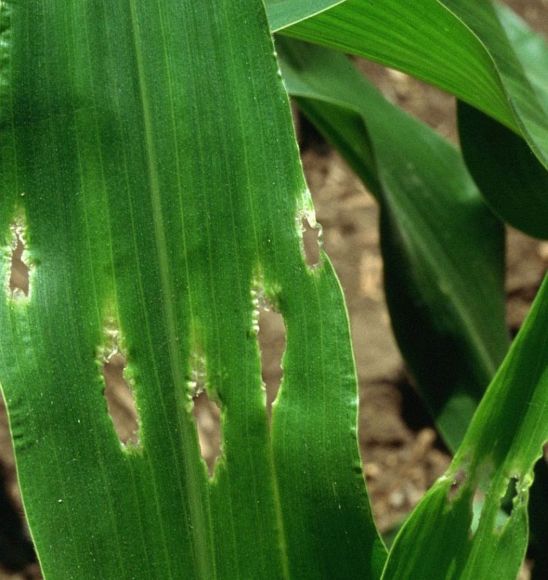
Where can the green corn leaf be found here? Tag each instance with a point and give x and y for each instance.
(509, 176)
(508, 173)
(529, 47)
(147, 159)
(443, 538)
(443, 250)
(282, 13)
(462, 47)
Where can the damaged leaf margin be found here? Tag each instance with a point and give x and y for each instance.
(159, 178)
(495, 464)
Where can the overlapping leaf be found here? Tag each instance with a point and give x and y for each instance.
(443, 538)
(282, 13)
(147, 157)
(443, 250)
(502, 163)
(462, 47)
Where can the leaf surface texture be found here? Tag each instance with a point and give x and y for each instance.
(148, 158)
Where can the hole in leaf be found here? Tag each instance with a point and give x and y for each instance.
(208, 423)
(207, 413)
(19, 271)
(507, 502)
(120, 400)
(311, 232)
(271, 336)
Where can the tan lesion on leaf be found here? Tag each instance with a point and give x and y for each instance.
(19, 271)
(457, 482)
(206, 412)
(311, 235)
(119, 388)
(271, 337)
(268, 327)
(207, 415)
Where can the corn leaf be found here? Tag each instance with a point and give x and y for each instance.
(443, 538)
(508, 173)
(148, 161)
(462, 47)
(443, 250)
(283, 13)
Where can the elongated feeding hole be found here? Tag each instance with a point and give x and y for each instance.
(121, 400)
(208, 423)
(507, 502)
(272, 341)
(311, 232)
(19, 270)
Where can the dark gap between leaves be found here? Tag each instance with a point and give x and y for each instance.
(414, 412)
(16, 550)
(308, 136)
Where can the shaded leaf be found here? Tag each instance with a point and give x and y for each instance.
(510, 177)
(504, 167)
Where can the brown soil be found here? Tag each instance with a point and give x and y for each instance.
(401, 452)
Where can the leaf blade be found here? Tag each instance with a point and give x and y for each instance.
(132, 131)
(524, 177)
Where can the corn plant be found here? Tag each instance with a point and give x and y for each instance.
(149, 165)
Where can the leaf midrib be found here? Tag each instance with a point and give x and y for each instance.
(200, 529)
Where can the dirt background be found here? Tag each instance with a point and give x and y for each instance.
(401, 452)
